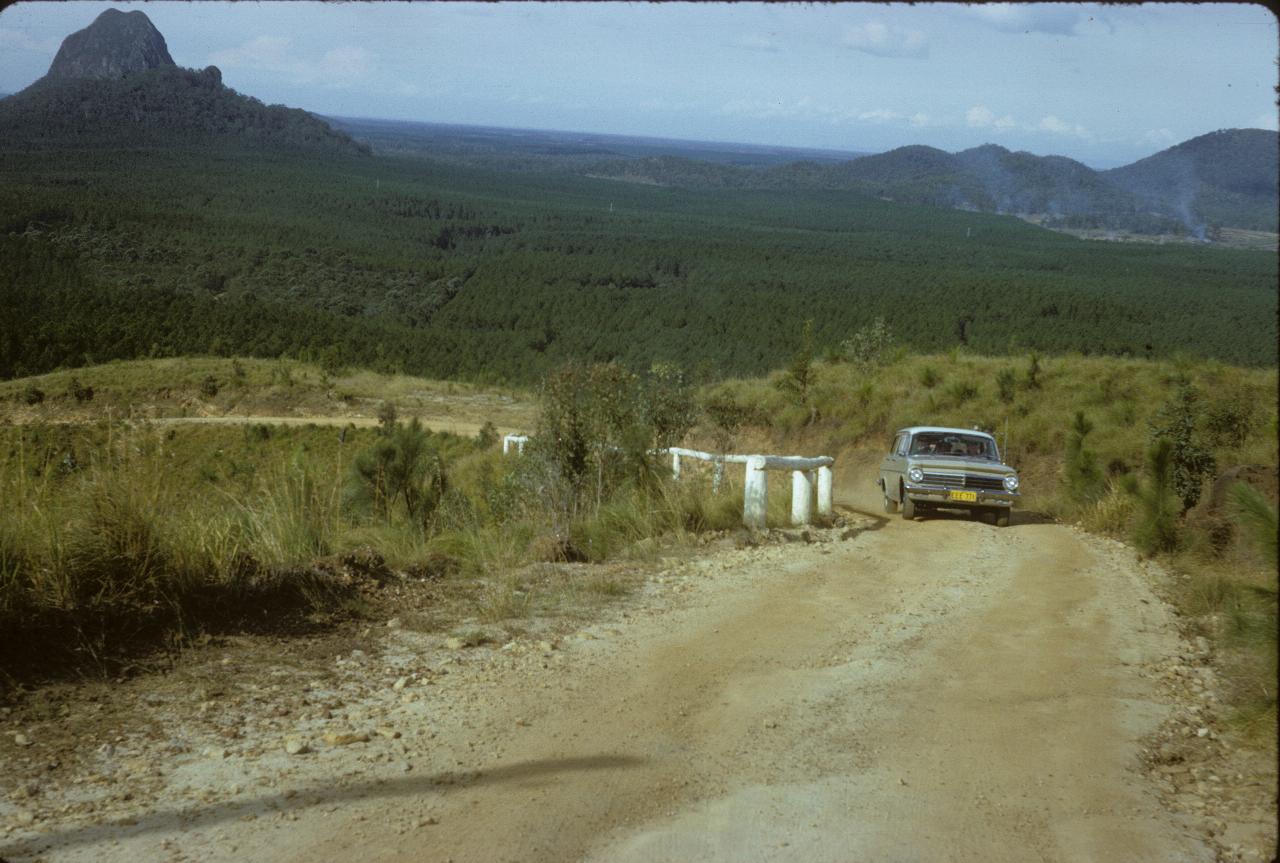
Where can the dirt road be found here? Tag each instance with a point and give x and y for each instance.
(438, 424)
(936, 691)
(930, 690)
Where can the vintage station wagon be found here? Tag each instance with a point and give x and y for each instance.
(932, 468)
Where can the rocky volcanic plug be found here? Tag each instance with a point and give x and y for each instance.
(115, 45)
(114, 84)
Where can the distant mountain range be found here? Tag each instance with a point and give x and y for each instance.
(114, 83)
(1227, 178)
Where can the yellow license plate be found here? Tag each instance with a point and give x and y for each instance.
(966, 496)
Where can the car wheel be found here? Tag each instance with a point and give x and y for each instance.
(890, 505)
(908, 508)
(1002, 518)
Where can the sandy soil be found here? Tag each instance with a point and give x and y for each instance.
(931, 690)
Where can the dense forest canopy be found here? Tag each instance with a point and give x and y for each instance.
(455, 270)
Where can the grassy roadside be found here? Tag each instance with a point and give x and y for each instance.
(218, 386)
(123, 538)
(124, 535)
(1081, 432)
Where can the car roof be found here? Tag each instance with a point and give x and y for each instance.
(944, 429)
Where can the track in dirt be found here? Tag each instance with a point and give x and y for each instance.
(936, 690)
(932, 690)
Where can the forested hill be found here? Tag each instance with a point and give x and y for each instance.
(456, 271)
(1226, 179)
(114, 84)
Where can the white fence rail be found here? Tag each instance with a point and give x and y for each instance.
(806, 473)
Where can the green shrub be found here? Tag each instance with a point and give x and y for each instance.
(869, 345)
(79, 391)
(961, 392)
(32, 395)
(401, 473)
(1156, 528)
(1229, 421)
(1191, 462)
(387, 416)
(929, 377)
(487, 437)
(1080, 467)
(209, 386)
(1033, 372)
(1258, 518)
(799, 374)
(1007, 383)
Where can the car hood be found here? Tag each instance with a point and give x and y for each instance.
(959, 464)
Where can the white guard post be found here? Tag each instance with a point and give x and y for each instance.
(755, 494)
(516, 440)
(824, 491)
(801, 496)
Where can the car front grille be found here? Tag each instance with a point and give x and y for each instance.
(964, 480)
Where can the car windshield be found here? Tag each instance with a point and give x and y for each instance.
(953, 444)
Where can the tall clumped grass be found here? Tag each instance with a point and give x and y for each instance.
(106, 549)
(119, 539)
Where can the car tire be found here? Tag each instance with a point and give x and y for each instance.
(890, 505)
(1002, 518)
(908, 508)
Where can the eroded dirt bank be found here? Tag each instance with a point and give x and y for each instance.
(935, 690)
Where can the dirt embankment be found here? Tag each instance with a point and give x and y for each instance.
(939, 689)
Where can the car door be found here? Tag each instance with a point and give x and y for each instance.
(894, 465)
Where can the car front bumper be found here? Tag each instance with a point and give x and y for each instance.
(942, 496)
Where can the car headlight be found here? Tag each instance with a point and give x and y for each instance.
(915, 475)
(1011, 483)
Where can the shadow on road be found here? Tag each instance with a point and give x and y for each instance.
(302, 798)
(1017, 518)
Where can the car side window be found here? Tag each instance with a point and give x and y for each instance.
(902, 444)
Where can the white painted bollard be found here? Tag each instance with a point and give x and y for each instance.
(824, 491)
(801, 496)
(675, 465)
(755, 494)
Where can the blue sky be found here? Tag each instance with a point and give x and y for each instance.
(1102, 84)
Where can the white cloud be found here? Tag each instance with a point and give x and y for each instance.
(342, 66)
(920, 119)
(1057, 126)
(979, 117)
(982, 117)
(1058, 19)
(886, 40)
(880, 115)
